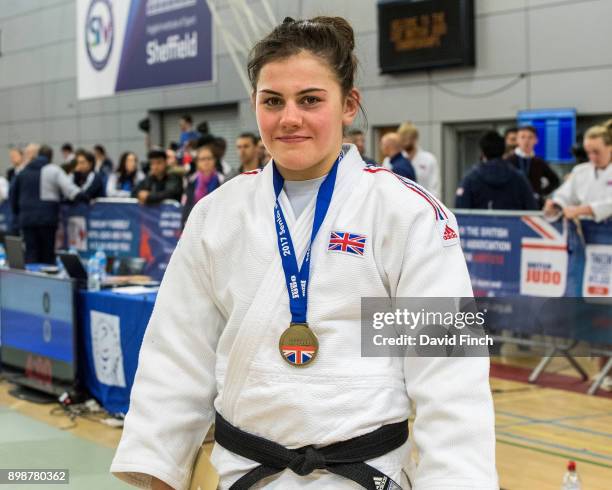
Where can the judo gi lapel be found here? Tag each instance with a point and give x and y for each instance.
(263, 313)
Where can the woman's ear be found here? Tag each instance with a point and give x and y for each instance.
(351, 107)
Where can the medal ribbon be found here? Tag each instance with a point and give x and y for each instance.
(297, 278)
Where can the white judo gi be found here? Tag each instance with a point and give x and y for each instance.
(588, 185)
(224, 297)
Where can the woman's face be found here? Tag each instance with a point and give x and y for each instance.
(130, 163)
(598, 152)
(205, 161)
(300, 112)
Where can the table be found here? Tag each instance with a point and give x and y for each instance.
(112, 327)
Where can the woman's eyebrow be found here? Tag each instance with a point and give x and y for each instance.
(301, 92)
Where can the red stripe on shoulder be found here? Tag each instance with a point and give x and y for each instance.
(412, 186)
(251, 172)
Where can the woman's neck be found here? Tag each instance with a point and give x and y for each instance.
(313, 172)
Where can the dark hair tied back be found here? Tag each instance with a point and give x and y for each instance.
(331, 38)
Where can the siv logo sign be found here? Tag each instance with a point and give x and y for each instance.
(99, 33)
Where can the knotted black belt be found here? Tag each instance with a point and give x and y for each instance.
(345, 458)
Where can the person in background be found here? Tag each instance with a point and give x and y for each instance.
(510, 138)
(104, 165)
(494, 183)
(30, 152)
(17, 162)
(202, 182)
(424, 163)
(35, 199)
(127, 177)
(357, 138)
(67, 153)
(159, 184)
(90, 182)
(542, 178)
(588, 190)
(187, 131)
(171, 157)
(220, 147)
(262, 153)
(392, 149)
(246, 146)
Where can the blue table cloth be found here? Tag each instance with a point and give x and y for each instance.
(112, 326)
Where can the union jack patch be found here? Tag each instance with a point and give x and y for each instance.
(350, 243)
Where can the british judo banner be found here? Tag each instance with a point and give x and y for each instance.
(135, 44)
(512, 254)
(123, 230)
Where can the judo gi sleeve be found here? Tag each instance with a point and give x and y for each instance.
(602, 208)
(171, 403)
(454, 425)
(566, 194)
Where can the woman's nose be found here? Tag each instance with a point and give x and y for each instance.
(291, 116)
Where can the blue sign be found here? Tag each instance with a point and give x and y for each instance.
(556, 130)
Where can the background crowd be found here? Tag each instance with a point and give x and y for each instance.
(509, 176)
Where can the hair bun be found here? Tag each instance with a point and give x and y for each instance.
(288, 20)
(341, 27)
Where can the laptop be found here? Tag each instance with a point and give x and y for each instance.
(15, 252)
(76, 270)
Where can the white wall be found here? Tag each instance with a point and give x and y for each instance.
(530, 54)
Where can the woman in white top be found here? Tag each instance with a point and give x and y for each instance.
(257, 323)
(588, 190)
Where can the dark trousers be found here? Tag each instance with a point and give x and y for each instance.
(40, 244)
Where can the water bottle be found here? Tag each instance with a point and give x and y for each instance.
(571, 480)
(2, 256)
(93, 274)
(101, 258)
(61, 271)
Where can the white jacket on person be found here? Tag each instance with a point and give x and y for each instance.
(212, 341)
(588, 185)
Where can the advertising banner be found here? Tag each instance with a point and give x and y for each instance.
(135, 44)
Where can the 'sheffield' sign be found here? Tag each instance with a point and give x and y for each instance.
(135, 44)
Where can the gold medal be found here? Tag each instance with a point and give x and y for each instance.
(298, 345)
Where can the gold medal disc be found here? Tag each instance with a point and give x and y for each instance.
(298, 345)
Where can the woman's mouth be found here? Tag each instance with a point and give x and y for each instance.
(293, 139)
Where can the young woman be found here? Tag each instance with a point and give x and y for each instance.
(588, 190)
(257, 322)
(203, 181)
(127, 177)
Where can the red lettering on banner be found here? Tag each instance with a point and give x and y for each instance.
(543, 277)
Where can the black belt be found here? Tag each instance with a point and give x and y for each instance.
(345, 458)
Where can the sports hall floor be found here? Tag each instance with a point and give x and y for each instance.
(539, 428)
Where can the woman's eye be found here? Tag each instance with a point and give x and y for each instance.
(272, 101)
(310, 100)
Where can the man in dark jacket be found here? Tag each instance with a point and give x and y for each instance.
(392, 148)
(35, 199)
(542, 178)
(159, 184)
(494, 183)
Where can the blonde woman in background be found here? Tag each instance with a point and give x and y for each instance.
(588, 190)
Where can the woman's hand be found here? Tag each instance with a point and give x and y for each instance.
(159, 485)
(571, 212)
